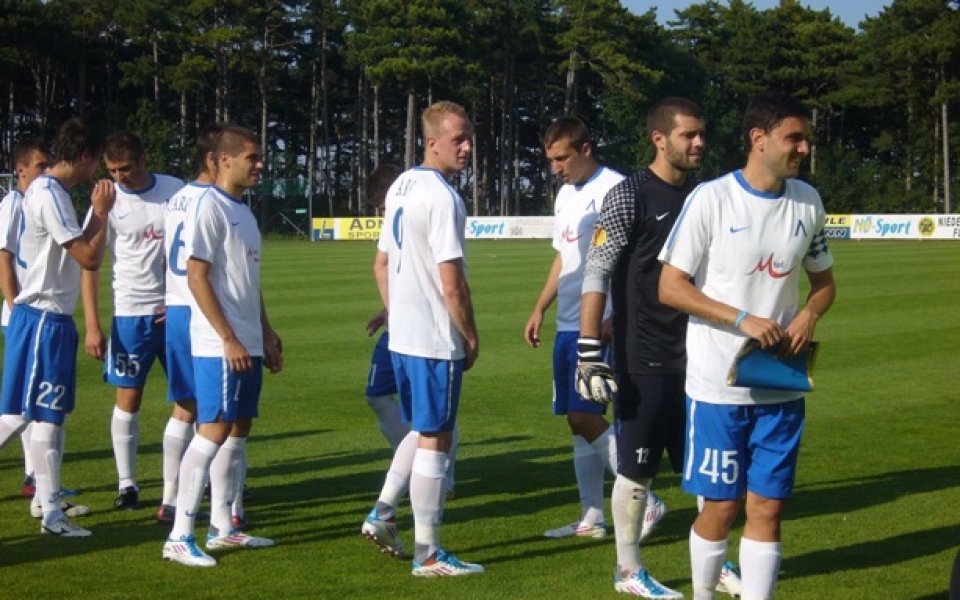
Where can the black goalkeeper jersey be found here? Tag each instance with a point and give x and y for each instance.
(637, 216)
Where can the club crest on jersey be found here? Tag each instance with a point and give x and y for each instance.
(800, 227)
(599, 237)
(777, 269)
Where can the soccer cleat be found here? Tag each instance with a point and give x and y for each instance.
(652, 516)
(730, 580)
(444, 564)
(642, 584)
(64, 527)
(383, 533)
(185, 551)
(166, 514)
(29, 487)
(128, 498)
(237, 539)
(590, 530)
(68, 508)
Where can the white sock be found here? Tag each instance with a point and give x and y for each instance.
(398, 477)
(239, 479)
(10, 425)
(176, 436)
(426, 499)
(448, 480)
(193, 475)
(759, 564)
(627, 503)
(389, 421)
(606, 447)
(589, 468)
(27, 455)
(125, 431)
(46, 461)
(706, 560)
(223, 472)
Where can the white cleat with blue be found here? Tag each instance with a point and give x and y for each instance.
(642, 584)
(185, 551)
(652, 515)
(730, 583)
(444, 564)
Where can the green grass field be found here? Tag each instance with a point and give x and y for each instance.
(874, 514)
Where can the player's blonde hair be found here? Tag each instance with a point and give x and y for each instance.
(433, 116)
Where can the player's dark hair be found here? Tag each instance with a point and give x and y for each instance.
(570, 128)
(379, 182)
(231, 139)
(662, 116)
(24, 150)
(206, 144)
(123, 145)
(74, 139)
(766, 110)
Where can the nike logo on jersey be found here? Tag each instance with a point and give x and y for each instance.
(738, 229)
(123, 216)
(234, 224)
(568, 236)
(663, 216)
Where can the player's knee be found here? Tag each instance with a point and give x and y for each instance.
(764, 513)
(721, 513)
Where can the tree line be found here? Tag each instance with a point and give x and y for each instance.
(335, 87)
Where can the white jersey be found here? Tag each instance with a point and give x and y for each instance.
(10, 221)
(576, 209)
(222, 231)
(423, 226)
(174, 222)
(135, 232)
(745, 248)
(52, 277)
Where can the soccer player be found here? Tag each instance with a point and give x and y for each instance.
(585, 183)
(30, 160)
(420, 272)
(231, 342)
(135, 234)
(733, 262)
(648, 337)
(39, 382)
(180, 388)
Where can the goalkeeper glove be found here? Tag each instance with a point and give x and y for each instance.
(594, 380)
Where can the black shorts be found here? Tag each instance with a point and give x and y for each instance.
(650, 414)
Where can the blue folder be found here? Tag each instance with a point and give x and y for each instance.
(758, 367)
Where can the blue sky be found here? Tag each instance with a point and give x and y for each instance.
(850, 12)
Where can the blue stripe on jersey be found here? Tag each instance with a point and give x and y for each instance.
(56, 204)
(683, 213)
(738, 175)
(153, 182)
(196, 205)
(229, 197)
(596, 174)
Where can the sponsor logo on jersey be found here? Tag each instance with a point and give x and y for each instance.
(774, 268)
(152, 234)
(569, 235)
(253, 254)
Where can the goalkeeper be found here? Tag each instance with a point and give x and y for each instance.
(648, 337)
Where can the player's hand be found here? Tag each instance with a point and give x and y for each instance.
(799, 334)
(102, 197)
(472, 351)
(766, 331)
(376, 322)
(238, 359)
(272, 351)
(594, 380)
(531, 332)
(160, 316)
(95, 344)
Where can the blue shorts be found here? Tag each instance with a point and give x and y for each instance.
(429, 391)
(177, 352)
(135, 342)
(732, 449)
(224, 394)
(565, 396)
(380, 381)
(39, 365)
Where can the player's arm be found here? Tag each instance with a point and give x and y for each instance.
(198, 280)
(87, 249)
(377, 321)
(677, 291)
(531, 332)
(380, 274)
(8, 277)
(95, 343)
(799, 333)
(272, 344)
(456, 295)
